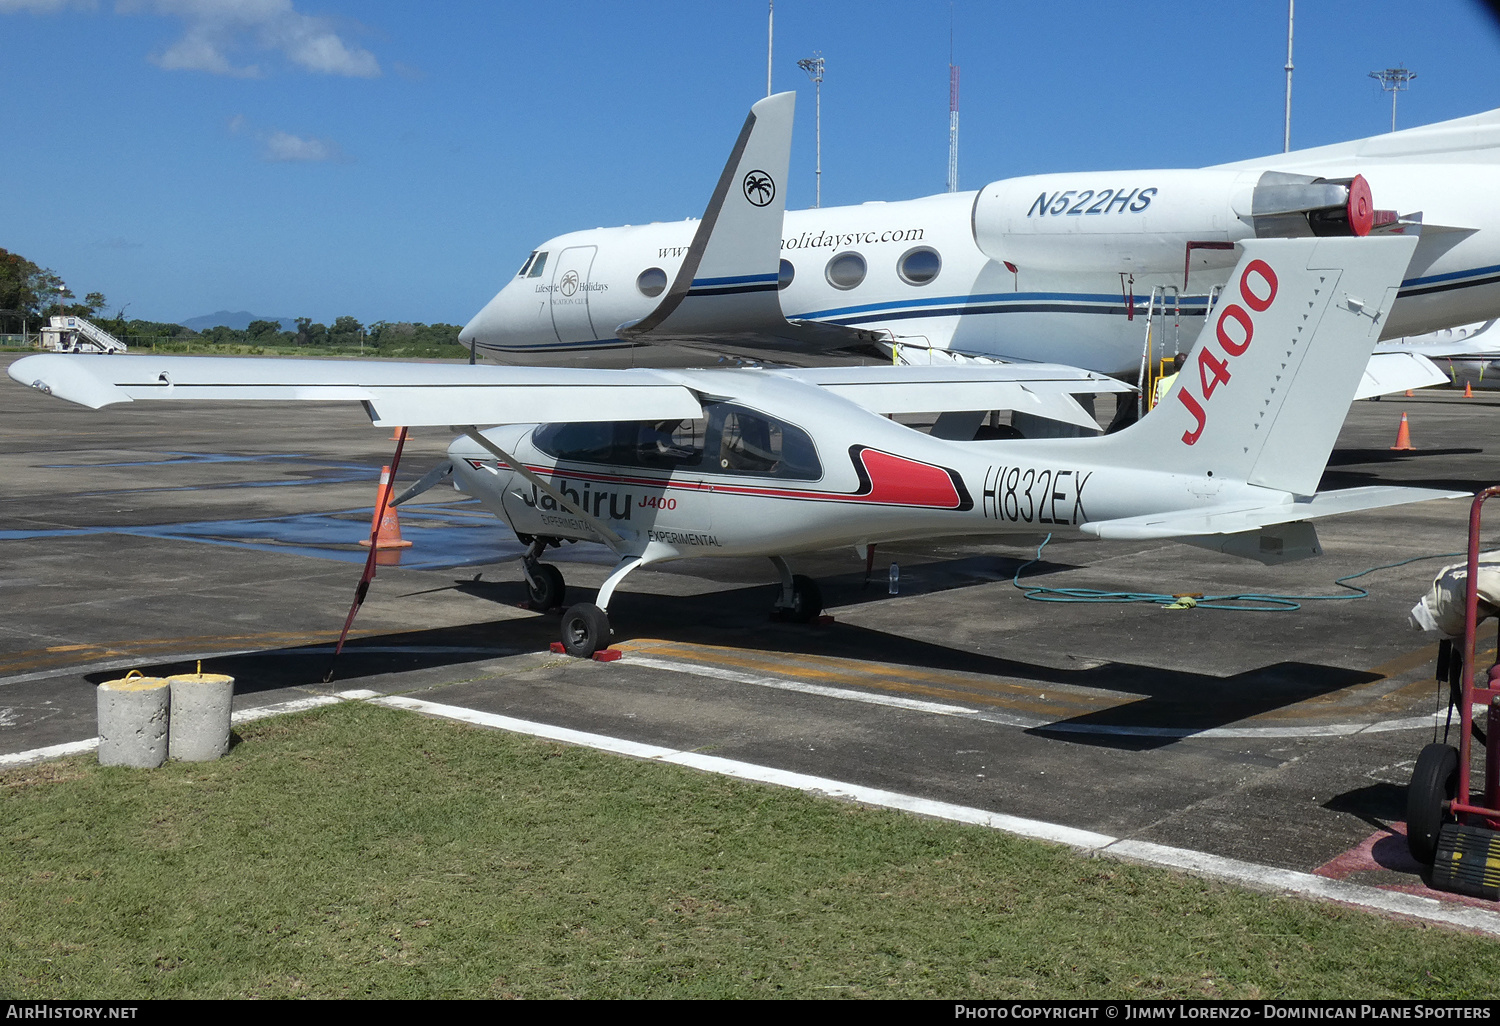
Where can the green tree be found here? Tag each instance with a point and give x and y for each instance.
(264, 332)
(310, 333)
(346, 331)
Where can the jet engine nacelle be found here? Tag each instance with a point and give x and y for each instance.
(1147, 220)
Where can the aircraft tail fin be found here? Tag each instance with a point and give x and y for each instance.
(730, 272)
(1268, 383)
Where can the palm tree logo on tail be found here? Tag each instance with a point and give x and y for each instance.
(759, 189)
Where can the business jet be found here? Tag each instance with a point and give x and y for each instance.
(1109, 271)
(667, 464)
(1466, 354)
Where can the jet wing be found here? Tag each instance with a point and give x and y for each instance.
(1045, 390)
(406, 394)
(1468, 140)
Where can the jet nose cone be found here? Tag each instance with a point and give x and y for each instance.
(490, 324)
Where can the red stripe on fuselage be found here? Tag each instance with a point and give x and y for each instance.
(892, 481)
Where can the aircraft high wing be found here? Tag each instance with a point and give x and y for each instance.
(667, 464)
(1101, 270)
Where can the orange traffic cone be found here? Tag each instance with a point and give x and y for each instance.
(396, 434)
(1403, 437)
(1468, 390)
(1408, 393)
(388, 527)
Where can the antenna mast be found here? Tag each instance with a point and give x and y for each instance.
(1286, 139)
(770, 35)
(952, 110)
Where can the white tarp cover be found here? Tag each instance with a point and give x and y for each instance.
(1442, 608)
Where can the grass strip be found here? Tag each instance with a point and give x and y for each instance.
(357, 851)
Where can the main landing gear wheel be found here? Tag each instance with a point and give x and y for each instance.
(1433, 782)
(585, 630)
(807, 601)
(545, 587)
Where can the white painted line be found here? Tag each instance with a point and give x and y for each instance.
(259, 712)
(484, 719)
(50, 752)
(868, 697)
(1026, 722)
(135, 662)
(1264, 878)
(1273, 879)
(1086, 839)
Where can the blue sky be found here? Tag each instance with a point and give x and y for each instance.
(398, 160)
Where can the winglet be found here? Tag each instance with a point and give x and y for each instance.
(729, 274)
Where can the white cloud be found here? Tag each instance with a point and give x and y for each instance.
(216, 31)
(284, 147)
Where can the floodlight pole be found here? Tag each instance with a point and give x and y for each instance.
(1393, 81)
(814, 67)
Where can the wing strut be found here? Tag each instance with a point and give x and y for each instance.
(611, 539)
(365, 578)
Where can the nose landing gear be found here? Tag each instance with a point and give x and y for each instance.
(799, 599)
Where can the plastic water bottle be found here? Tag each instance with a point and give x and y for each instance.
(895, 580)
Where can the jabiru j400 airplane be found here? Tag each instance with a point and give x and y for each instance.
(667, 464)
(1065, 268)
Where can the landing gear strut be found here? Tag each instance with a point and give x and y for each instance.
(799, 599)
(544, 583)
(585, 627)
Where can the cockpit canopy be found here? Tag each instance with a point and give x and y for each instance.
(728, 439)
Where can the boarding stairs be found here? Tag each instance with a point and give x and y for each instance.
(78, 335)
(916, 351)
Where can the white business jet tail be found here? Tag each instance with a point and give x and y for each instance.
(726, 292)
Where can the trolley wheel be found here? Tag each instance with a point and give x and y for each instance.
(1434, 780)
(585, 630)
(547, 591)
(807, 601)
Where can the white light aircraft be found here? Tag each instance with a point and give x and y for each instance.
(1065, 268)
(667, 464)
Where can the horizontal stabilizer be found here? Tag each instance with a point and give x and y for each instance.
(1273, 545)
(1396, 372)
(1235, 518)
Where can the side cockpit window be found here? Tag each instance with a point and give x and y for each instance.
(752, 443)
(526, 266)
(728, 439)
(538, 263)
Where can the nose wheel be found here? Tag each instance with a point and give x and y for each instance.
(544, 587)
(798, 598)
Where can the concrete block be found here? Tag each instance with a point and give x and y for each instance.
(134, 717)
(201, 704)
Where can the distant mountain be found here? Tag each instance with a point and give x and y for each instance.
(239, 320)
